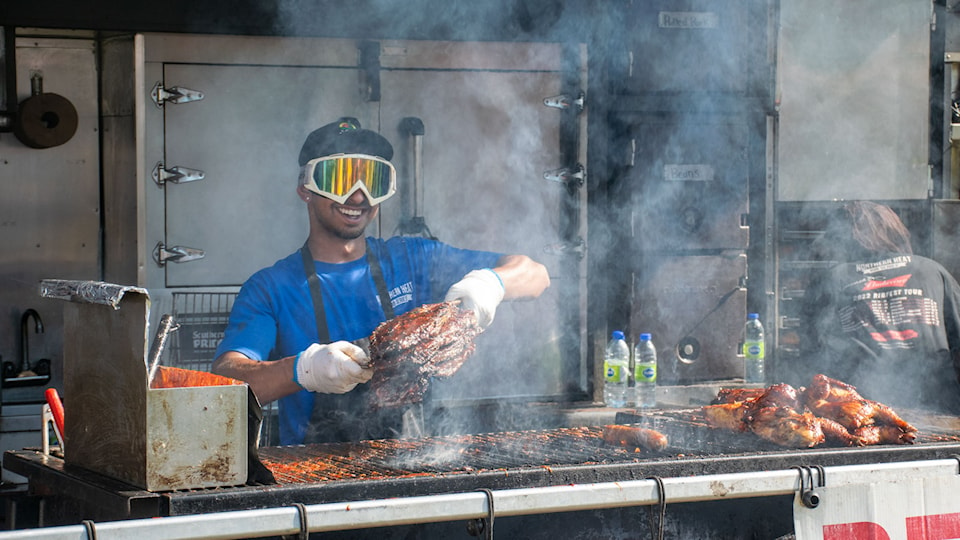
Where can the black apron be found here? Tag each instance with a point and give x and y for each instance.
(347, 417)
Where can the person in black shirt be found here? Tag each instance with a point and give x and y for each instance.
(884, 320)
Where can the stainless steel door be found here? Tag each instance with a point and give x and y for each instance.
(245, 135)
(487, 141)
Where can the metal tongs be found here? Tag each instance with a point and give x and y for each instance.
(164, 329)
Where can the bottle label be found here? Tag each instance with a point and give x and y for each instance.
(613, 373)
(753, 349)
(645, 373)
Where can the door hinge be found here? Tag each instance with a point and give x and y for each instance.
(566, 175)
(176, 94)
(564, 102)
(176, 175)
(178, 254)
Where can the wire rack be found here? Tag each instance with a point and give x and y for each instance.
(201, 319)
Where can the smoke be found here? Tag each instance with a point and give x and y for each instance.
(680, 87)
(425, 19)
(853, 90)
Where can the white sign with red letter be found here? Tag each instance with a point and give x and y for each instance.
(908, 509)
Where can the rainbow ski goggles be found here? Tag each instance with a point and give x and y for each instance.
(337, 177)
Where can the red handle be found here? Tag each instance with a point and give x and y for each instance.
(56, 407)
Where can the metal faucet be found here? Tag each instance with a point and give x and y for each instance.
(24, 339)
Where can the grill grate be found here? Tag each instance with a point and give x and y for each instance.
(387, 458)
(201, 318)
(689, 435)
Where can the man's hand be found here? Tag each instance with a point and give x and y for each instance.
(334, 368)
(481, 291)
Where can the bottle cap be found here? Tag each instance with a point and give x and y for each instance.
(617, 334)
(644, 337)
(753, 316)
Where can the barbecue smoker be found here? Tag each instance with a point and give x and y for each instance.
(670, 162)
(186, 451)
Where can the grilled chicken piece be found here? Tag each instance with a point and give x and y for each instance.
(787, 427)
(877, 434)
(885, 416)
(780, 395)
(734, 395)
(728, 415)
(834, 432)
(823, 388)
(634, 437)
(855, 414)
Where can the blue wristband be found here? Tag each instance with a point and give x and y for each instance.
(295, 362)
(498, 278)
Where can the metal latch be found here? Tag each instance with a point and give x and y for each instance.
(575, 247)
(566, 176)
(178, 254)
(564, 102)
(177, 175)
(808, 494)
(176, 94)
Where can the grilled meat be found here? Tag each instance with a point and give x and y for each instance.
(728, 415)
(876, 434)
(834, 432)
(433, 340)
(634, 437)
(787, 427)
(780, 395)
(828, 410)
(734, 395)
(823, 388)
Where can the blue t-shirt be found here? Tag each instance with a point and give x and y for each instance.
(273, 315)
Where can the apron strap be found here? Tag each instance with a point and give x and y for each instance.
(323, 331)
(320, 315)
(381, 283)
(345, 417)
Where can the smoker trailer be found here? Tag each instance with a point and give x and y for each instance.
(138, 445)
(533, 484)
(714, 138)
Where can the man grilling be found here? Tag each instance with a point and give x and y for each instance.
(292, 323)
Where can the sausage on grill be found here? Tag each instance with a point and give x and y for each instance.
(634, 437)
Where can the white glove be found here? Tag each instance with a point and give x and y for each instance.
(481, 291)
(334, 368)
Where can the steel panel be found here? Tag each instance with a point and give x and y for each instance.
(487, 140)
(689, 183)
(49, 202)
(689, 46)
(695, 308)
(245, 135)
(853, 90)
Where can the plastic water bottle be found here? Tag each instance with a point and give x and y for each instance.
(753, 350)
(645, 372)
(616, 370)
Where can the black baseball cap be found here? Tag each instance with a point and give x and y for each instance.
(345, 136)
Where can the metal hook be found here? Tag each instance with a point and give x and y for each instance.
(303, 534)
(24, 336)
(808, 496)
(476, 527)
(662, 506)
(90, 528)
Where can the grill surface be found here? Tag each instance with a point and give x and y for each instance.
(313, 474)
(689, 437)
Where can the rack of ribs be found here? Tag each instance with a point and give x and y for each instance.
(430, 341)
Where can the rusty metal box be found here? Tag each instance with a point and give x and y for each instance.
(158, 439)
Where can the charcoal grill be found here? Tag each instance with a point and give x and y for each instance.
(376, 469)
